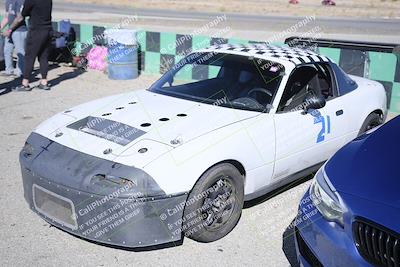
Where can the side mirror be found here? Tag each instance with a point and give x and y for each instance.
(313, 101)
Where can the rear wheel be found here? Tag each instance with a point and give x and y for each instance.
(373, 120)
(215, 204)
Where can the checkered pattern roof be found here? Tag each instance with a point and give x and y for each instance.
(295, 55)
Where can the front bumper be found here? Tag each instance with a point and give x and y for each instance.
(118, 220)
(323, 241)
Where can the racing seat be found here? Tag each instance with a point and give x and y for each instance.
(260, 82)
(297, 87)
(242, 86)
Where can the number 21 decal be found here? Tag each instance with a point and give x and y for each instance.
(326, 127)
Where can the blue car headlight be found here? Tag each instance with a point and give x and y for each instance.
(325, 200)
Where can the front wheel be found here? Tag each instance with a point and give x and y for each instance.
(215, 204)
(373, 120)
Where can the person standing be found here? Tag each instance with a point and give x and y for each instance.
(16, 40)
(38, 40)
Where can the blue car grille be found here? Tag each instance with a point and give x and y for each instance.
(377, 244)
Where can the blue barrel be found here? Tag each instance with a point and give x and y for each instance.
(122, 57)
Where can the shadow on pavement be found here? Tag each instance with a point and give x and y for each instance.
(7, 87)
(66, 76)
(289, 247)
(280, 190)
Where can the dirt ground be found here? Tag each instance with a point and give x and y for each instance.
(348, 8)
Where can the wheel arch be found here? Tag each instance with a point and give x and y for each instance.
(237, 164)
(377, 111)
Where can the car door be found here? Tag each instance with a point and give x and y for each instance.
(304, 139)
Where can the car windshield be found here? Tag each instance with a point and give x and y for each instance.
(226, 80)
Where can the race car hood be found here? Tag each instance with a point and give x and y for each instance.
(119, 126)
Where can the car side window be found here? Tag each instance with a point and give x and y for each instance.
(313, 78)
(344, 83)
(327, 84)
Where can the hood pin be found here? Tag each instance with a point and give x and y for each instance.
(107, 151)
(177, 141)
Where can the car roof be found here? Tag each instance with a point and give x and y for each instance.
(296, 56)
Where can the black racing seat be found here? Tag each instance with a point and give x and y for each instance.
(243, 84)
(297, 87)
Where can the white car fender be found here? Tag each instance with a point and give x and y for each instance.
(370, 96)
(186, 163)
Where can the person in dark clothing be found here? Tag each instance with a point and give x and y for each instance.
(38, 40)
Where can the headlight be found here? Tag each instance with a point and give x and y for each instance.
(325, 200)
(126, 181)
(111, 180)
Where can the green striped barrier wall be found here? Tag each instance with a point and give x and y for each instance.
(378, 66)
(159, 51)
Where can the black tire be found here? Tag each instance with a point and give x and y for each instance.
(215, 204)
(373, 120)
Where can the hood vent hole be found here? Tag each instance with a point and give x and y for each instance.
(145, 125)
(182, 115)
(106, 114)
(164, 119)
(119, 108)
(142, 150)
(132, 103)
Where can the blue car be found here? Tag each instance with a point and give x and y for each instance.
(350, 216)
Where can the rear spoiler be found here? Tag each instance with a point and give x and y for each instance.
(344, 44)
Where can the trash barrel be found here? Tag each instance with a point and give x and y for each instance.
(122, 51)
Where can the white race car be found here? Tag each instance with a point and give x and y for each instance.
(147, 167)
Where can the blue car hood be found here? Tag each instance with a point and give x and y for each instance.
(368, 167)
(376, 212)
